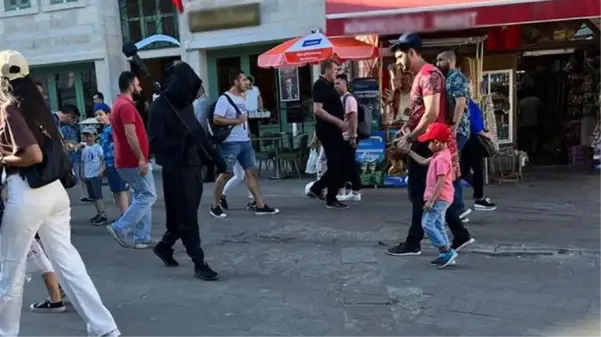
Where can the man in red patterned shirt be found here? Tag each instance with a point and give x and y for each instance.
(427, 105)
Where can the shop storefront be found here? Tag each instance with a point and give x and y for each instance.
(499, 64)
(220, 39)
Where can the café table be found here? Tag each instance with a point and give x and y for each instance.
(277, 141)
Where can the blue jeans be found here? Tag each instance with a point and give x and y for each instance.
(241, 152)
(458, 204)
(139, 214)
(433, 224)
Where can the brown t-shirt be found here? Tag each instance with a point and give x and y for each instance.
(15, 135)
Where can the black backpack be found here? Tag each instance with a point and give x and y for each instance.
(363, 119)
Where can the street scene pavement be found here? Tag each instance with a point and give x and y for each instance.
(534, 269)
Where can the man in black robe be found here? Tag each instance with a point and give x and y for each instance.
(181, 150)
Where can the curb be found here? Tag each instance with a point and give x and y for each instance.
(518, 250)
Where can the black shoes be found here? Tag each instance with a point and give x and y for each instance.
(205, 273)
(223, 203)
(402, 250)
(266, 210)
(337, 205)
(218, 212)
(166, 255)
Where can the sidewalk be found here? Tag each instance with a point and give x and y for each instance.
(313, 271)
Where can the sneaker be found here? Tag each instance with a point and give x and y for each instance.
(120, 238)
(86, 200)
(94, 218)
(218, 212)
(465, 213)
(343, 197)
(204, 272)
(266, 210)
(142, 245)
(166, 255)
(402, 250)
(101, 220)
(447, 259)
(438, 261)
(337, 205)
(47, 306)
(484, 204)
(312, 194)
(458, 245)
(251, 206)
(354, 196)
(223, 203)
(465, 220)
(112, 333)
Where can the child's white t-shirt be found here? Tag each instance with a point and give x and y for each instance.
(91, 156)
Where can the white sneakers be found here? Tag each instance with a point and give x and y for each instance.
(350, 196)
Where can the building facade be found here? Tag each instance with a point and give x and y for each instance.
(73, 46)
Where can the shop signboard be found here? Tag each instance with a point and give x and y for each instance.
(368, 96)
(387, 17)
(371, 159)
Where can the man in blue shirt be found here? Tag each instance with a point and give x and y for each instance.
(458, 96)
(69, 116)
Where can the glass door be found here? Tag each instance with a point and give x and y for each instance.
(499, 85)
(225, 67)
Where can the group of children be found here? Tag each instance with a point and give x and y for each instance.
(97, 160)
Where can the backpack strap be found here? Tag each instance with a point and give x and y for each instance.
(234, 105)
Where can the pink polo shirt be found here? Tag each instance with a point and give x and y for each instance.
(441, 165)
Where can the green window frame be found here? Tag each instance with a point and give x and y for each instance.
(143, 21)
(54, 2)
(12, 5)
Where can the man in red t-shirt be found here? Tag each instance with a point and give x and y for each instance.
(131, 160)
(427, 105)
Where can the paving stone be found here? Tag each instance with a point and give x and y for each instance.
(368, 320)
(357, 255)
(366, 295)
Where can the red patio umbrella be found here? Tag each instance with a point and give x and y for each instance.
(314, 48)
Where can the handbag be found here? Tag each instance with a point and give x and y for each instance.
(221, 132)
(55, 165)
(486, 146)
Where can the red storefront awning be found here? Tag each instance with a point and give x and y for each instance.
(385, 17)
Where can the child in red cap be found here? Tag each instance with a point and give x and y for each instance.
(439, 191)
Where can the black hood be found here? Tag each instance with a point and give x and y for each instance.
(182, 86)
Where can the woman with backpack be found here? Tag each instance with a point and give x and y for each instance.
(472, 158)
(28, 149)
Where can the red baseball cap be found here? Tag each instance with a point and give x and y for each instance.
(436, 131)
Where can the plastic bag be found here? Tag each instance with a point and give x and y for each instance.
(312, 162)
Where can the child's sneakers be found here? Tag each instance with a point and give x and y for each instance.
(446, 259)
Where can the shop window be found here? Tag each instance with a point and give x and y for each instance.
(89, 88)
(142, 18)
(54, 2)
(265, 81)
(11, 5)
(65, 88)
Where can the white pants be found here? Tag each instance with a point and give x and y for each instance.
(235, 180)
(44, 210)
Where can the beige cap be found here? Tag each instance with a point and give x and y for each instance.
(13, 65)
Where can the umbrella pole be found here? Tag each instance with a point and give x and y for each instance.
(278, 104)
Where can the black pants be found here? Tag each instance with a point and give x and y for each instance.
(333, 178)
(182, 190)
(210, 171)
(472, 167)
(416, 188)
(350, 166)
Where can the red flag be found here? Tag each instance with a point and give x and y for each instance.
(179, 5)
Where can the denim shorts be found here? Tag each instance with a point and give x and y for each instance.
(241, 152)
(116, 183)
(94, 187)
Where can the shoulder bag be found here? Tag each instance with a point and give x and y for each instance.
(221, 132)
(55, 165)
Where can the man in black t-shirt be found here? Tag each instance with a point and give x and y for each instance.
(330, 124)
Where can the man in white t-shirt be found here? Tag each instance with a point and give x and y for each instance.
(231, 110)
(351, 110)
